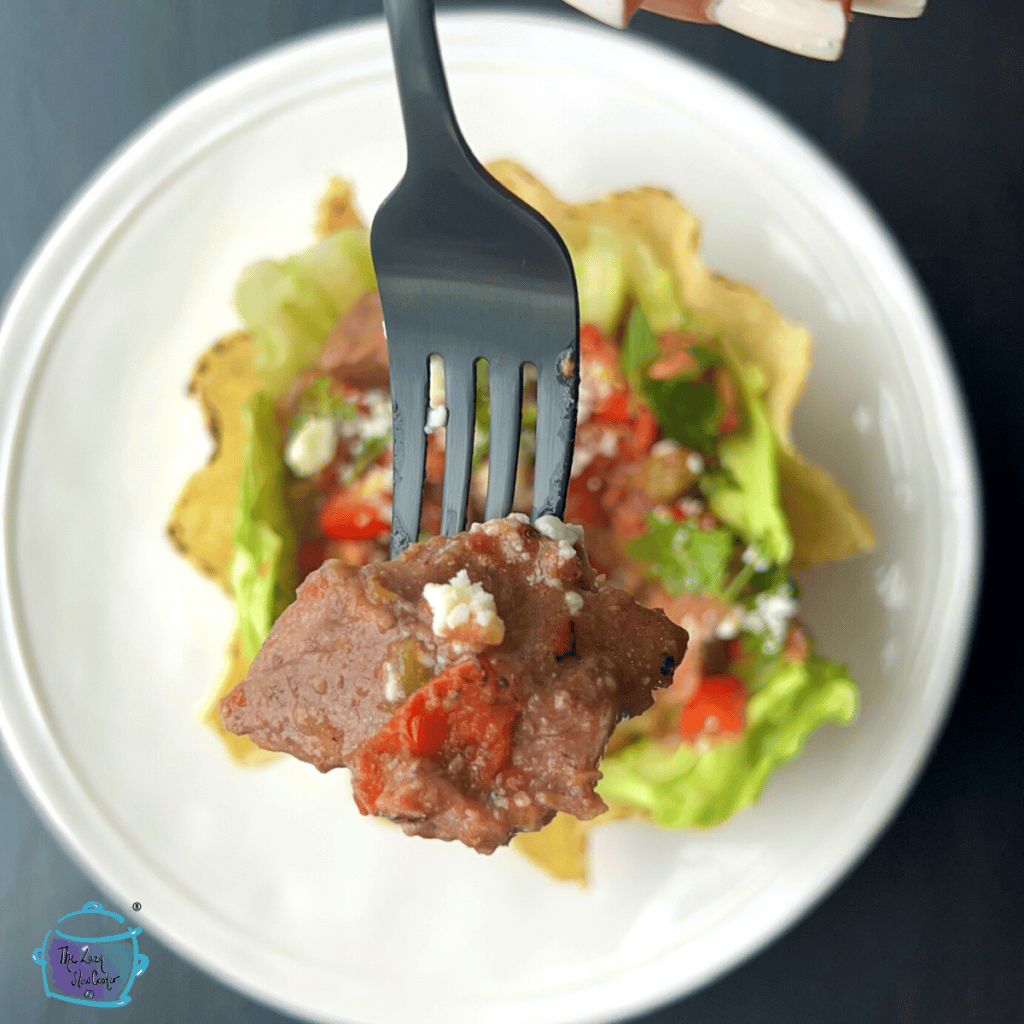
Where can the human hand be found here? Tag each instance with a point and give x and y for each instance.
(813, 28)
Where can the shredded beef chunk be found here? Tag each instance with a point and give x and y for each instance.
(470, 685)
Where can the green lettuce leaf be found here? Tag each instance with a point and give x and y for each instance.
(688, 409)
(653, 286)
(292, 306)
(615, 265)
(680, 788)
(744, 494)
(685, 558)
(601, 278)
(262, 570)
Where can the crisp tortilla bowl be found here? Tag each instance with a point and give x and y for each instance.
(825, 523)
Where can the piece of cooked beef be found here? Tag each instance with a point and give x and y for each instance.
(357, 349)
(471, 685)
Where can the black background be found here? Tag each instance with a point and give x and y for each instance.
(927, 117)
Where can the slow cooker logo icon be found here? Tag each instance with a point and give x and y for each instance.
(88, 958)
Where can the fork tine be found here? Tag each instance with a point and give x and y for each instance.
(506, 410)
(556, 430)
(460, 397)
(409, 394)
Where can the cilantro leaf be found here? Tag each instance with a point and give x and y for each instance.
(687, 408)
(685, 558)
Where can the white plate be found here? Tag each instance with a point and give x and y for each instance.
(270, 879)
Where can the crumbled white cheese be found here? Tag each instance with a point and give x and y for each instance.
(312, 447)
(608, 446)
(465, 607)
(491, 527)
(695, 462)
(595, 388)
(666, 446)
(519, 517)
(555, 529)
(574, 602)
(377, 422)
(772, 612)
(751, 556)
(392, 684)
(437, 417)
(372, 425)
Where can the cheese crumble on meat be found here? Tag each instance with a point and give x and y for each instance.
(567, 534)
(463, 610)
(554, 529)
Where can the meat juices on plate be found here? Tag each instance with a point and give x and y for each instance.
(471, 685)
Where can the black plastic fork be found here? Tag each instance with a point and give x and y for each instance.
(468, 271)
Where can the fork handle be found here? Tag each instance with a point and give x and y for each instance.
(431, 131)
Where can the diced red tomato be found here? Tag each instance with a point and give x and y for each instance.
(595, 346)
(676, 358)
(583, 504)
(345, 518)
(641, 437)
(717, 708)
(463, 713)
(599, 365)
(617, 410)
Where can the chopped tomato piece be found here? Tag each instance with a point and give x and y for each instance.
(676, 359)
(641, 437)
(596, 347)
(464, 715)
(345, 518)
(617, 410)
(718, 707)
(583, 504)
(601, 376)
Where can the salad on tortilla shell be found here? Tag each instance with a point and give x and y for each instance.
(692, 493)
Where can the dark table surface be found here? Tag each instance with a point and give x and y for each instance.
(927, 118)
